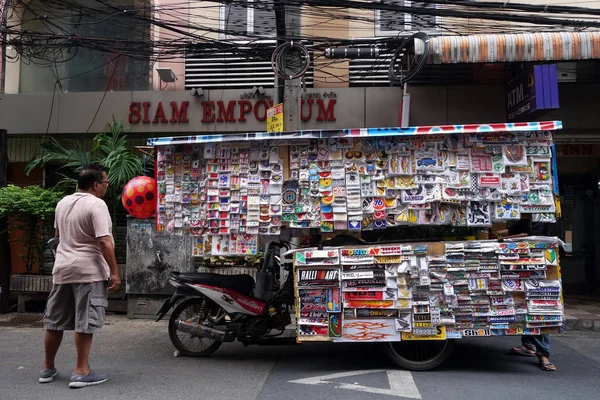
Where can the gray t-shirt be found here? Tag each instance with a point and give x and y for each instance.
(81, 219)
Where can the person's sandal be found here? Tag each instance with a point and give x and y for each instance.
(547, 366)
(522, 351)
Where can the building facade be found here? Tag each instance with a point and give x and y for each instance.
(465, 80)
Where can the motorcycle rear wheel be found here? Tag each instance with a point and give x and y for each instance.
(190, 310)
(419, 355)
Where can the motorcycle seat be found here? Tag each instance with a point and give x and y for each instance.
(243, 284)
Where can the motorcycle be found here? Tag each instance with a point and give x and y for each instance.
(224, 308)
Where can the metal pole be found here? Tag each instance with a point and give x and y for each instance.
(5, 267)
(291, 96)
(280, 28)
(3, 29)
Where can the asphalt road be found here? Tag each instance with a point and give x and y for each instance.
(140, 360)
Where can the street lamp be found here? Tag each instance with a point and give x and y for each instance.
(166, 75)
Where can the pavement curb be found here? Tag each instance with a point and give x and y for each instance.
(582, 324)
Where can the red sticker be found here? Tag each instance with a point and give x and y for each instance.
(378, 204)
(489, 180)
(379, 215)
(327, 216)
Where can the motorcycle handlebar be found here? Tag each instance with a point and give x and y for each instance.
(280, 244)
(284, 244)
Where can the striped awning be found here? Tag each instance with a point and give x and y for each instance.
(514, 47)
(361, 132)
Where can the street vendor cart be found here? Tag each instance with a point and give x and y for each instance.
(285, 198)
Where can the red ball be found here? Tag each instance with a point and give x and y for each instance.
(139, 197)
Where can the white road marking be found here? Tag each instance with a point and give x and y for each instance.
(401, 383)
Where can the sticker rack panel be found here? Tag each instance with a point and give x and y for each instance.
(429, 291)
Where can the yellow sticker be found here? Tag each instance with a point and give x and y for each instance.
(403, 303)
(440, 335)
(412, 216)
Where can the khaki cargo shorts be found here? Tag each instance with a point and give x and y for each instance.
(77, 306)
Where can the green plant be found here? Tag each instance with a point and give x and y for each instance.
(110, 150)
(32, 211)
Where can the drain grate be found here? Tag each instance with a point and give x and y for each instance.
(26, 319)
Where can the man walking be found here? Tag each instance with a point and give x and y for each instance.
(536, 346)
(533, 345)
(85, 259)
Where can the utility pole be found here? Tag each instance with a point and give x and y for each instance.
(291, 96)
(5, 268)
(279, 9)
(287, 22)
(3, 37)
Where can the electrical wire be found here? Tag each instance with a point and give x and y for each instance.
(407, 50)
(50, 32)
(57, 83)
(108, 85)
(283, 64)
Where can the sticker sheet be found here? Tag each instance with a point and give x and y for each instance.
(478, 213)
(506, 210)
(372, 330)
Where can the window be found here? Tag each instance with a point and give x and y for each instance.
(248, 66)
(85, 68)
(391, 23)
(256, 18)
(374, 72)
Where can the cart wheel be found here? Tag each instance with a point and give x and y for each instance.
(419, 355)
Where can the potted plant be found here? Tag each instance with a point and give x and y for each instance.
(30, 210)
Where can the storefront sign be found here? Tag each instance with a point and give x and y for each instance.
(275, 118)
(180, 112)
(577, 150)
(533, 93)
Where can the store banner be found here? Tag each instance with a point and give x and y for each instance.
(275, 118)
(533, 93)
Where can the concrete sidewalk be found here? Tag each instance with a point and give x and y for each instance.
(582, 313)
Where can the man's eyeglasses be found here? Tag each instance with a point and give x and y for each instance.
(105, 181)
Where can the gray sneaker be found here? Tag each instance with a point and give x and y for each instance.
(47, 375)
(91, 379)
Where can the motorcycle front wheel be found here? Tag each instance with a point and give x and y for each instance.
(419, 355)
(199, 311)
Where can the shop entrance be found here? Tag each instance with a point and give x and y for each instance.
(579, 228)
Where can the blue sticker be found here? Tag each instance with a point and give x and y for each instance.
(326, 208)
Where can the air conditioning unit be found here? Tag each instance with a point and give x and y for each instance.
(567, 71)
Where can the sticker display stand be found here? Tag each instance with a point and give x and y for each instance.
(230, 192)
(428, 291)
